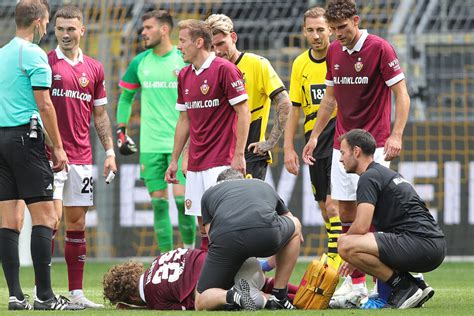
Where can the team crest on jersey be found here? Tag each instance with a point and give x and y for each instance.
(83, 81)
(358, 65)
(176, 71)
(205, 87)
(188, 203)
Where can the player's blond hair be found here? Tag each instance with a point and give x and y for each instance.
(121, 282)
(197, 29)
(220, 23)
(314, 12)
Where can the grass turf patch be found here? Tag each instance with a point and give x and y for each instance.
(452, 283)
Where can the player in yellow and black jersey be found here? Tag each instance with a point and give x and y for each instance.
(307, 87)
(263, 86)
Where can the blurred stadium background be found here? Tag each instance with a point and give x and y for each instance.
(434, 40)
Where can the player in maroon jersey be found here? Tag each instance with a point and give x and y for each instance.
(214, 114)
(78, 93)
(362, 73)
(170, 282)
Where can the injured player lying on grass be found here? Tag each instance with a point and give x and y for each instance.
(170, 282)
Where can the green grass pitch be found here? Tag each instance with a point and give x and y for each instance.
(453, 283)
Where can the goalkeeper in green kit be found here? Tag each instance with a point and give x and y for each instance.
(155, 72)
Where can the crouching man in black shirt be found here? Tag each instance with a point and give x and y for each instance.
(407, 238)
(245, 218)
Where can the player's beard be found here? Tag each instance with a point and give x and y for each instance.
(37, 36)
(153, 44)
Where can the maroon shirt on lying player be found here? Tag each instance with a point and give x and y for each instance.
(168, 284)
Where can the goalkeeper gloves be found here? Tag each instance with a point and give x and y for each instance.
(125, 144)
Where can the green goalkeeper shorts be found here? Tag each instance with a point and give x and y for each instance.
(153, 168)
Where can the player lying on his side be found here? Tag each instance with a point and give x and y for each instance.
(170, 282)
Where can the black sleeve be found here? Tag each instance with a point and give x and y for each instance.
(281, 207)
(369, 187)
(40, 88)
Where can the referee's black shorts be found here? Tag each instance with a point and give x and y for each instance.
(228, 251)
(25, 172)
(410, 253)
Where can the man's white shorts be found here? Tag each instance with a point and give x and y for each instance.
(344, 185)
(74, 186)
(197, 182)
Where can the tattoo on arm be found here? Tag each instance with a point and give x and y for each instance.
(282, 105)
(104, 130)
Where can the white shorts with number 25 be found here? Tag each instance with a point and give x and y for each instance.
(74, 186)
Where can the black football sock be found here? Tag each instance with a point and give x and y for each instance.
(280, 294)
(41, 237)
(11, 261)
(398, 280)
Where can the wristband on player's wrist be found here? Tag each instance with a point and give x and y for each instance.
(110, 153)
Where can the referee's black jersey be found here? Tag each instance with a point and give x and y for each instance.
(398, 208)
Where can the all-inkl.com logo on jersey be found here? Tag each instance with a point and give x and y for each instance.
(74, 94)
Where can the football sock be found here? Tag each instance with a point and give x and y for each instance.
(52, 241)
(204, 242)
(162, 224)
(11, 261)
(75, 255)
(292, 289)
(357, 276)
(77, 293)
(268, 286)
(394, 280)
(280, 294)
(291, 297)
(270, 282)
(41, 237)
(186, 224)
(335, 231)
(383, 289)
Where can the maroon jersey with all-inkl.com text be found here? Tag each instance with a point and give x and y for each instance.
(207, 95)
(170, 281)
(76, 88)
(362, 78)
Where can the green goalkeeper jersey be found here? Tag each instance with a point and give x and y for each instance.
(156, 76)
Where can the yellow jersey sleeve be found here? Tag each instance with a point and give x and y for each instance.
(270, 81)
(296, 95)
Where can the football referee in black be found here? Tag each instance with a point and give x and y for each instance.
(407, 238)
(25, 173)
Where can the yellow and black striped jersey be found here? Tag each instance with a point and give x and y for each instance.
(307, 88)
(262, 83)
